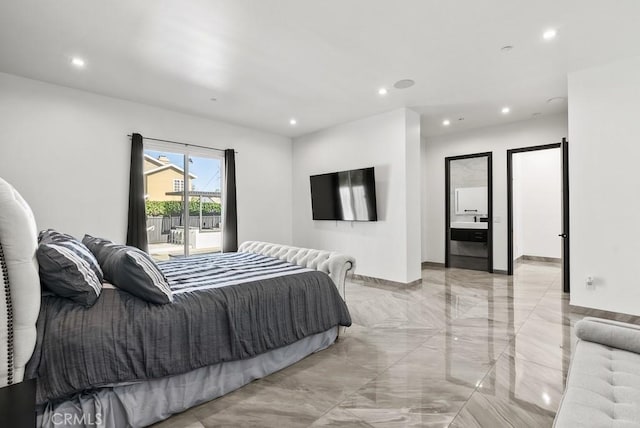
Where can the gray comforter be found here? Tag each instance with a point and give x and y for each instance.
(214, 318)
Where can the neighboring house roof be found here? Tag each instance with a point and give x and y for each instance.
(153, 160)
(168, 166)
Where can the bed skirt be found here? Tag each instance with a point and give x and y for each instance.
(144, 403)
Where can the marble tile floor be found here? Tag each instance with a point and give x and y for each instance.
(461, 349)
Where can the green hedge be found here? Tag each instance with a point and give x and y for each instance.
(169, 208)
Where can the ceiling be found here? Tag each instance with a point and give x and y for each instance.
(322, 61)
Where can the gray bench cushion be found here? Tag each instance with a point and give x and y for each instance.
(616, 334)
(603, 388)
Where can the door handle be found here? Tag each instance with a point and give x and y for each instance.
(563, 235)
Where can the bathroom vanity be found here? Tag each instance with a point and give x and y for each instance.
(468, 245)
(469, 232)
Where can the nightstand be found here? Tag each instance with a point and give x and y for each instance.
(18, 405)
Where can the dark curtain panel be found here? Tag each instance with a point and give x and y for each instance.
(137, 227)
(230, 209)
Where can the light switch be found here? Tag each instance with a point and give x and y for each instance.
(497, 219)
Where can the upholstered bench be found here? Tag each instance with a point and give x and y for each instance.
(603, 384)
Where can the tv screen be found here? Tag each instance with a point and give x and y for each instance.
(345, 195)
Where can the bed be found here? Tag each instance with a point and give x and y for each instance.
(126, 362)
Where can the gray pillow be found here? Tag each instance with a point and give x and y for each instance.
(130, 269)
(51, 235)
(68, 268)
(97, 247)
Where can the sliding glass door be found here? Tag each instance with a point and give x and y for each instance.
(183, 201)
(205, 205)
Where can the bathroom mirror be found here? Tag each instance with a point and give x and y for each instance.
(471, 201)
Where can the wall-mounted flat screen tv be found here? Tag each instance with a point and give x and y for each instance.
(346, 195)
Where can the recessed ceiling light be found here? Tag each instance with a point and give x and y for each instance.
(78, 62)
(446, 122)
(382, 91)
(404, 84)
(505, 110)
(293, 122)
(550, 34)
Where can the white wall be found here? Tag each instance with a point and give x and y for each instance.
(389, 248)
(68, 153)
(537, 203)
(497, 139)
(518, 242)
(604, 154)
(413, 170)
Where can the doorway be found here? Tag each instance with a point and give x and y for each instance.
(549, 212)
(468, 212)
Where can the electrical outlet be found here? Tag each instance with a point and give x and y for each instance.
(589, 281)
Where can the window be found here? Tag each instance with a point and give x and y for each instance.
(179, 227)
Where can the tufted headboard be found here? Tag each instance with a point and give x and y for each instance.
(336, 265)
(19, 284)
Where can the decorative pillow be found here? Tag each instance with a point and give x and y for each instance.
(51, 235)
(130, 269)
(68, 268)
(97, 247)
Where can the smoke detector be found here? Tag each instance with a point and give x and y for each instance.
(404, 84)
(556, 100)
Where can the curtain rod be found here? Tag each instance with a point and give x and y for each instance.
(179, 143)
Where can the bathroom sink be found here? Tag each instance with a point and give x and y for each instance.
(469, 225)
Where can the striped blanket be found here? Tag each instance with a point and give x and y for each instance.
(226, 307)
(220, 270)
